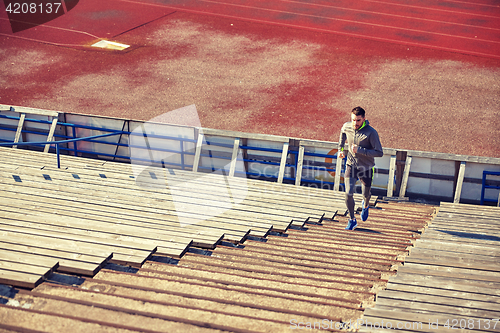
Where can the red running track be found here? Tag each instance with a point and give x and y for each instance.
(457, 26)
(87, 22)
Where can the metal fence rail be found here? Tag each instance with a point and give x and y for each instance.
(435, 176)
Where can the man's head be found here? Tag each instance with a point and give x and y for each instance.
(358, 117)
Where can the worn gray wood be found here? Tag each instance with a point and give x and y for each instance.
(19, 128)
(460, 181)
(300, 162)
(23, 109)
(338, 172)
(452, 157)
(406, 175)
(197, 154)
(283, 160)
(392, 170)
(256, 136)
(452, 272)
(234, 156)
(50, 136)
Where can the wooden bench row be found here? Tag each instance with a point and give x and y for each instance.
(452, 274)
(93, 212)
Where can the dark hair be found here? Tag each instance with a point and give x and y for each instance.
(359, 111)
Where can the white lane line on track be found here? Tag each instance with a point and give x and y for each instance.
(388, 14)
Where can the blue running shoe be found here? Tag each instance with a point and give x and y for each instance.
(364, 211)
(352, 224)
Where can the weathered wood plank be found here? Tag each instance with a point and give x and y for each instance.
(35, 268)
(300, 162)
(451, 247)
(109, 212)
(448, 283)
(406, 175)
(196, 205)
(30, 250)
(97, 198)
(299, 207)
(479, 299)
(234, 134)
(417, 321)
(18, 279)
(468, 307)
(23, 109)
(460, 181)
(234, 157)
(50, 136)
(284, 155)
(119, 247)
(392, 170)
(197, 154)
(448, 261)
(133, 236)
(19, 128)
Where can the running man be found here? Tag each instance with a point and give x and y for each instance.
(363, 146)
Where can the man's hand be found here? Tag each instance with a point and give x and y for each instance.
(354, 148)
(341, 154)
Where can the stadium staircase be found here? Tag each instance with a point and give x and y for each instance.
(94, 247)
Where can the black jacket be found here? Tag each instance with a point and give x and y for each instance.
(368, 142)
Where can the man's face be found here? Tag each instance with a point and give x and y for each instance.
(357, 121)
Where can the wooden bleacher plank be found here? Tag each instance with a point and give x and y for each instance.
(157, 219)
(259, 183)
(156, 222)
(127, 169)
(437, 259)
(450, 293)
(83, 243)
(468, 209)
(129, 204)
(462, 222)
(79, 227)
(24, 109)
(452, 247)
(103, 225)
(32, 268)
(261, 220)
(42, 222)
(452, 272)
(18, 279)
(418, 302)
(461, 237)
(24, 250)
(416, 321)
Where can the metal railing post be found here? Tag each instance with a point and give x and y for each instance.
(58, 157)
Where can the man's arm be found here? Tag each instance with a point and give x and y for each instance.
(342, 139)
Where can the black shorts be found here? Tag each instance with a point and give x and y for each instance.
(365, 176)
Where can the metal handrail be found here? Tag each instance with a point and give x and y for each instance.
(57, 143)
